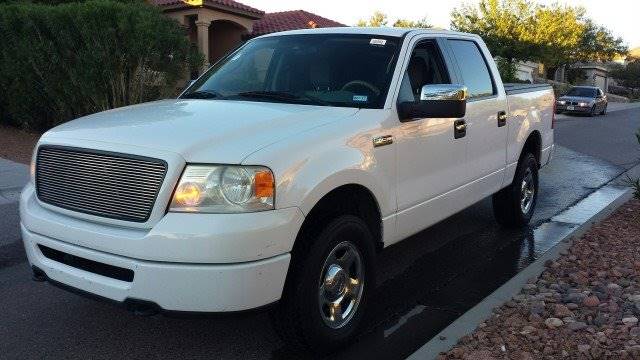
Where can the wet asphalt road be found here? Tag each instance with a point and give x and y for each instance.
(426, 281)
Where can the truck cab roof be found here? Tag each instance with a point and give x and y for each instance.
(374, 31)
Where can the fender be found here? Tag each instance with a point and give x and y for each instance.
(308, 167)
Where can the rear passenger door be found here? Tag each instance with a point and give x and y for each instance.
(486, 116)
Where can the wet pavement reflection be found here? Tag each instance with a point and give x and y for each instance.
(446, 283)
(430, 279)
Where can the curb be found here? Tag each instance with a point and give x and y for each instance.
(621, 180)
(469, 321)
(14, 176)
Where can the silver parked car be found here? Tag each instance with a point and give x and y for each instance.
(583, 100)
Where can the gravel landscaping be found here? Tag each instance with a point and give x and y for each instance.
(17, 145)
(585, 305)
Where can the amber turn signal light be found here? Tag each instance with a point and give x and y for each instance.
(264, 184)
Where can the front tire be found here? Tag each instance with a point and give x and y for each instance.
(593, 112)
(332, 277)
(514, 205)
(604, 110)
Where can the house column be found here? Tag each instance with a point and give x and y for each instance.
(203, 41)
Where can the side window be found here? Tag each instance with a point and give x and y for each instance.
(473, 68)
(425, 67)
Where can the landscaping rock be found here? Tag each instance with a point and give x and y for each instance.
(576, 326)
(553, 323)
(583, 348)
(591, 301)
(585, 305)
(561, 311)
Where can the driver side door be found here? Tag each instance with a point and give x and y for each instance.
(431, 161)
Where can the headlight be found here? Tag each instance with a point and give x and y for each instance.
(224, 189)
(583, 104)
(562, 102)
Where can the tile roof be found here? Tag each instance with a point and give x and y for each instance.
(291, 20)
(230, 4)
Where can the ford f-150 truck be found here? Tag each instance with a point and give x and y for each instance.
(280, 174)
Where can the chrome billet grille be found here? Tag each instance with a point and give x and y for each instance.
(112, 185)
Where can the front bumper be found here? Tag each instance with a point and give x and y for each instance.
(573, 109)
(207, 263)
(173, 287)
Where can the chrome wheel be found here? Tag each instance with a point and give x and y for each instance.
(340, 285)
(527, 191)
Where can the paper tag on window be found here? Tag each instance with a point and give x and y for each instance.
(379, 42)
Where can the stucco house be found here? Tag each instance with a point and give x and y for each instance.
(596, 74)
(217, 26)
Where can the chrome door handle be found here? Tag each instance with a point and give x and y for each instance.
(459, 129)
(502, 118)
(382, 140)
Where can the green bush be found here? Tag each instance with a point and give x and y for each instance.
(560, 89)
(576, 76)
(64, 61)
(635, 183)
(508, 70)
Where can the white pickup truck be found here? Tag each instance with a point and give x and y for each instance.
(279, 176)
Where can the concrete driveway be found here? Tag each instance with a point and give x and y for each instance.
(426, 281)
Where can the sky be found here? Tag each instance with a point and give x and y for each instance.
(620, 16)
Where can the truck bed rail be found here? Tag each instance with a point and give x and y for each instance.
(512, 88)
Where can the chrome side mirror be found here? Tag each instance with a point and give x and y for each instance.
(436, 101)
(444, 92)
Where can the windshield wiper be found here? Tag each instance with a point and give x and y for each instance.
(202, 94)
(282, 96)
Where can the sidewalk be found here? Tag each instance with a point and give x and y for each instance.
(13, 177)
(615, 106)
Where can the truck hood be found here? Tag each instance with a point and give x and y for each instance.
(211, 131)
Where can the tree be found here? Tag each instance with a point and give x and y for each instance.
(557, 32)
(598, 44)
(628, 75)
(377, 19)
(422, 23)
(380, 19)
(522, 30)
(505, 26)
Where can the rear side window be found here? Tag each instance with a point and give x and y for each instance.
(473, 68)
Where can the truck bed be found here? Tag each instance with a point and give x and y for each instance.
(513, 88)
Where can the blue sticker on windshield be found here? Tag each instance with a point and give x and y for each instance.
(360, 98)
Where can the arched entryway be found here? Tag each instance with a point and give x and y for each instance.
(224, 36)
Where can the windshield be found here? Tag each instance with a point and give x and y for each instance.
(317, 69)
(582, 92)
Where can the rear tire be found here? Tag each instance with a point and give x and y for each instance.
(514, 205)
(304, 317)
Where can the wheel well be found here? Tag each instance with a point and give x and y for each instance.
(533, 145)
(352, 199)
